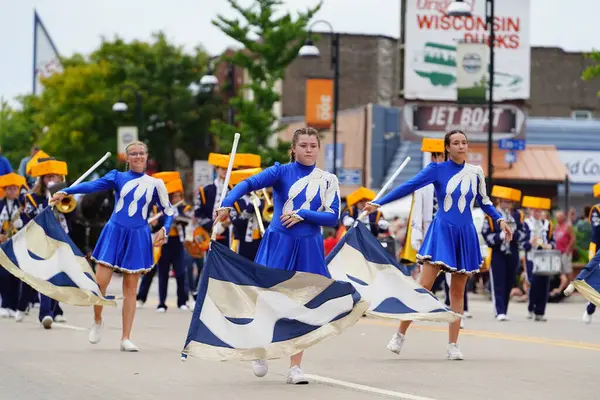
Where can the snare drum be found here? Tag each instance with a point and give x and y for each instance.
(546, 262)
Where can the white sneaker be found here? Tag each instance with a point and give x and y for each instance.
(501, 317)
(95, 333)
(60, 318)
(395, 344)
(11, 313)
(462, 323)
(295, 376)
(468, 314)
(19, 316)
(183, 307)
(454, 352)
(587, 318)
(139, 304)
(530, 315)
(161, 310)
(260, 367)
(3, 312)
(47, 322)
(127, 345)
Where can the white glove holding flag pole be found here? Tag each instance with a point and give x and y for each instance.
(236, 139)
(385, 187)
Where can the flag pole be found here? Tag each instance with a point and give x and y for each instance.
(236, 139)
(387, 184)
(89, 171)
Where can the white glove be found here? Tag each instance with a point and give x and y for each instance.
(348, 221)
(502, 235)
(18, 224)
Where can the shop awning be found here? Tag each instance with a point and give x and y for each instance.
(537, 163)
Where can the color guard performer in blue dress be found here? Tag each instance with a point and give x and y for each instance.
(125, 243)
(10, 222)
(505, 255)
(451, 244)
(305, 198)
(541, 238)
(49, 172)
(594, 246)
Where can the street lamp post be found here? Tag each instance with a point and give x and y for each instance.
(460, 9)
(209, 80)
(309, 50)
(121, 106)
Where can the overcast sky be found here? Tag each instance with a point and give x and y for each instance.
(77, 25)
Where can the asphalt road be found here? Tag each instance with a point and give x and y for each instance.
(518, 359)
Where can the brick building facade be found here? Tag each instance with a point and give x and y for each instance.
(370, 69)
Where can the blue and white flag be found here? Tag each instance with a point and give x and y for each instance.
(360, 259)
(245, 311)
(588, 281)
(44, 256)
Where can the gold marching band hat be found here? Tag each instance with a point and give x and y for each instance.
(242, 174)
(539, 203)
(430, 145)
(34, 160)
(12, 179)
(241, 160)
(172, 180)
(506, 193)
(362, 193)
(597, 190)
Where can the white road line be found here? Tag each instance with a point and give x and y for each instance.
(67, 326)
(365, 389)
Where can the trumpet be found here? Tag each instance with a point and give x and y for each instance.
(68, 203)
(267, 214)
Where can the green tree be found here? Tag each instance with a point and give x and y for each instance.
(265, 59)
(76, 105)
(593, 71)
(18, 129)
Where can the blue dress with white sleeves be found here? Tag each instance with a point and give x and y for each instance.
(125, 243)
(310, 193)
(451, 242)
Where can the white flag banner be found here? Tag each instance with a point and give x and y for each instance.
(46, 60)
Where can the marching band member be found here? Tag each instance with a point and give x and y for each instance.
(355, 203)
(451, 243)
(594, 247)
(125, 243)
(209, 195)
(541, 238)
(10, 221)
(305, 198)
(505, 255)
(172, 252)
(49, 172)
(246, 228)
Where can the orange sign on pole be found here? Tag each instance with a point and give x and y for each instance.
(319, 103)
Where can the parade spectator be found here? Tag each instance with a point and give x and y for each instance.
(23, 165)
(330, 241)
(5, 167)
(564, 237)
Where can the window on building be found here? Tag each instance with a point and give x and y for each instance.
(581, 114)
